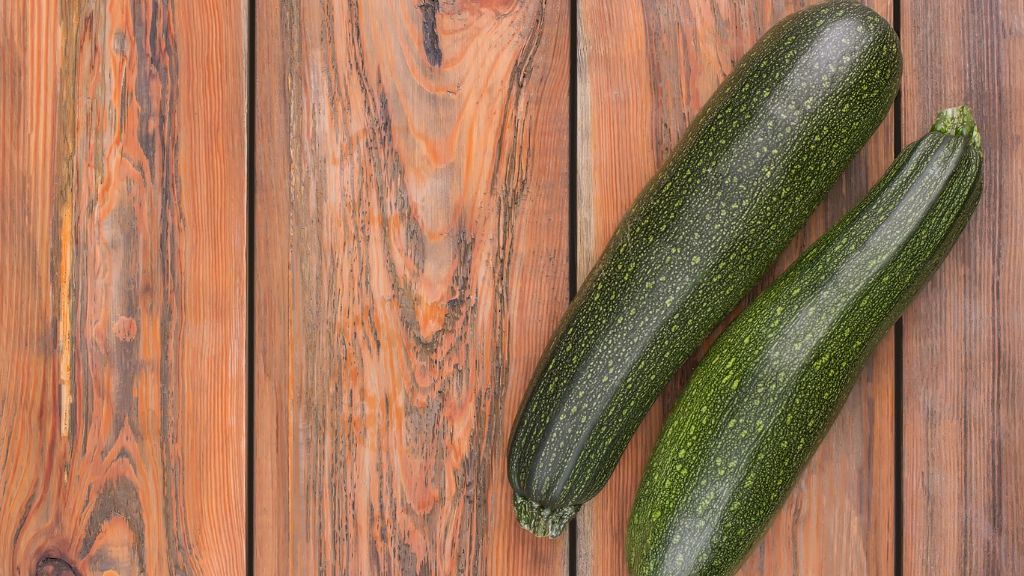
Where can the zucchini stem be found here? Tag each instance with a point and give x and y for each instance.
(541, 521)
(958, 121)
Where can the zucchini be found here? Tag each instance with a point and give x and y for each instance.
(761, 401)
(751, 168)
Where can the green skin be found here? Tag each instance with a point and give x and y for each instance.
(752, 167)
(761, 401)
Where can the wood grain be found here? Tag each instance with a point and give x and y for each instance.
(963, 435)
(411, 258)
(122, 292)
(411, 262)
(645, 69)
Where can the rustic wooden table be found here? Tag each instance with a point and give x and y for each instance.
(274, 275)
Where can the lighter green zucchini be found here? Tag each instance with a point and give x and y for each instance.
(753, 165)
(762, 399)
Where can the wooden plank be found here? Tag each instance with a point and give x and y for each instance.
(963, 436)
(645, 69)
(122, 292)
(411, 250)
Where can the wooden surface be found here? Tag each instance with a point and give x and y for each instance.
(417, 171)
(412, 260)
(645, 69)
(963, 348)
(122, 291)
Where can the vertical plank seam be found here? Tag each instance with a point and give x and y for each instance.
(573, 158)
(250, 312)
(898, 451)
(573, 212)
(898, 355)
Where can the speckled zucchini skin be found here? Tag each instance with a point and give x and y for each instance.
(761, 401)
(753, 165)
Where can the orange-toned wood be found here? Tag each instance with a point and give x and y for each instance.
(645, 69)
(122, 290)
(411, 262)
(963, 433)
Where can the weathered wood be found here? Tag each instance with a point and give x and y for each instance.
(411, 253)
(644, 70)
(411, 262)
(122, 290)
(963, 435)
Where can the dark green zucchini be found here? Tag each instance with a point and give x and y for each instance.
(761, 401)
(753, 165)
